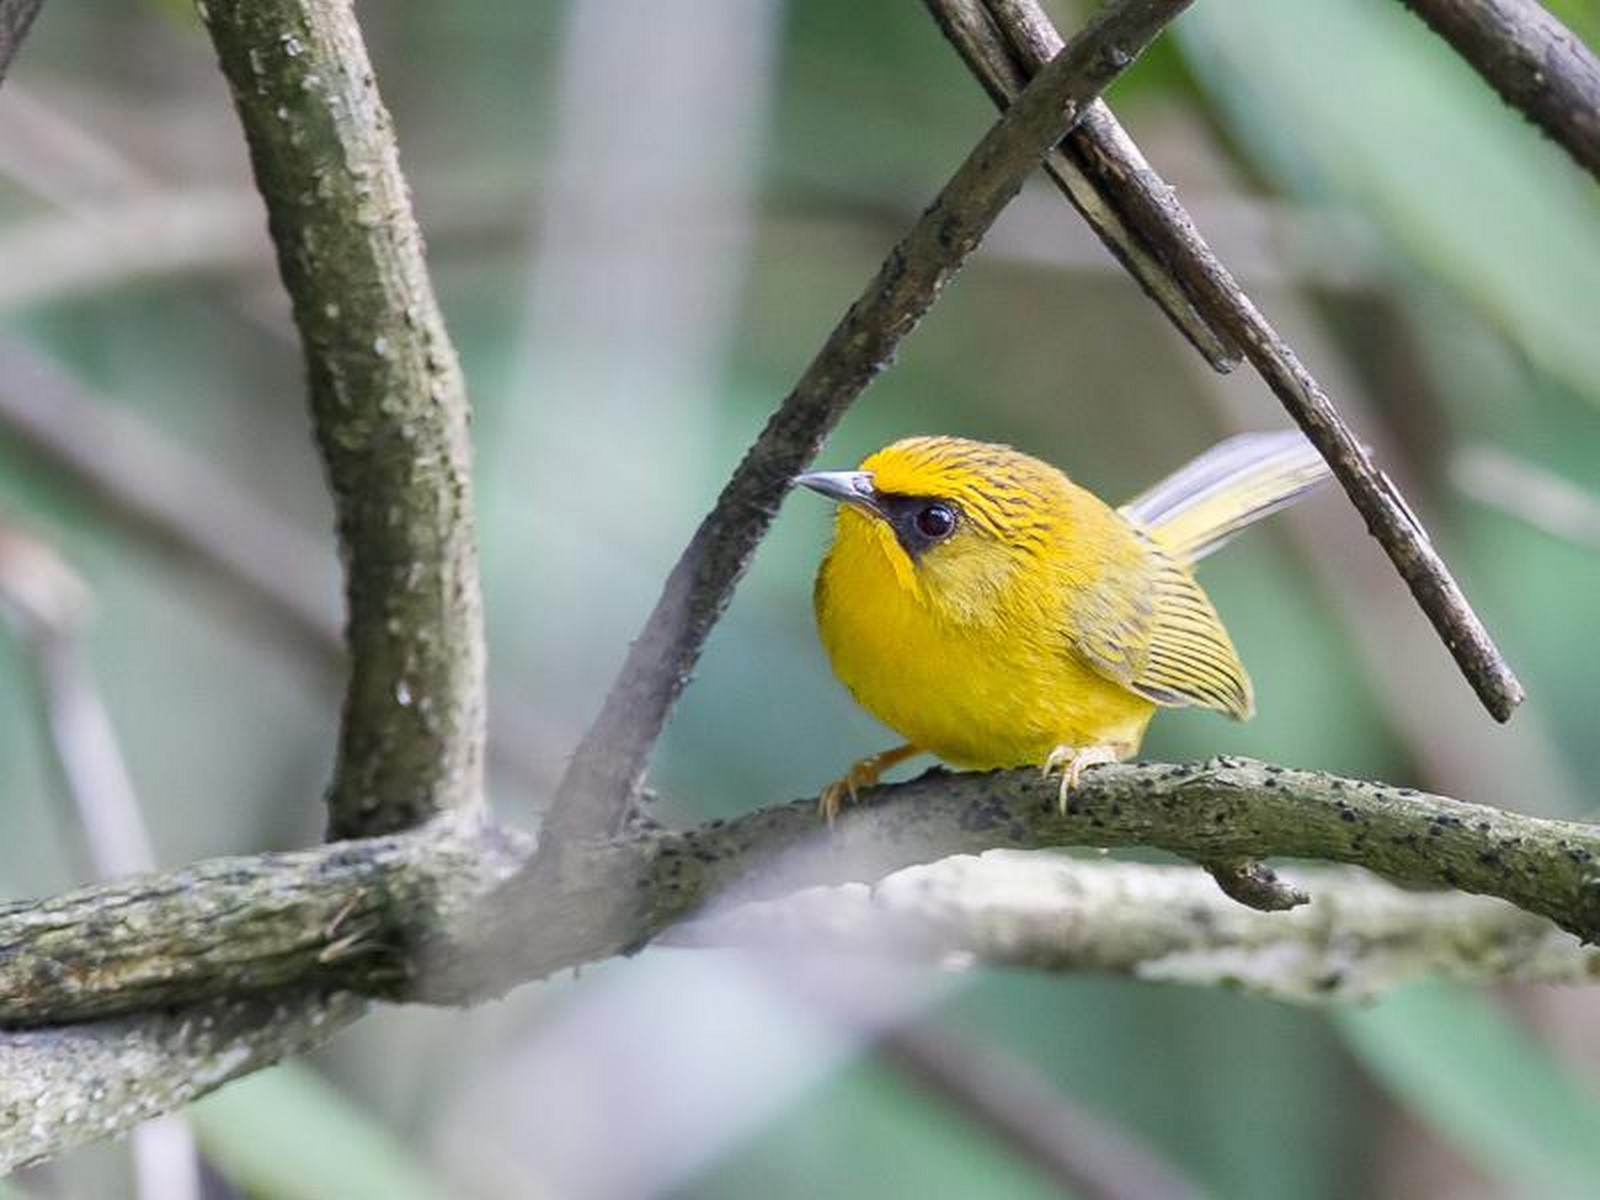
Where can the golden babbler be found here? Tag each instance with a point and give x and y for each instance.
(996, 614)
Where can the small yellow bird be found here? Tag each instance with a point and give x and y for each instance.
(995, 614)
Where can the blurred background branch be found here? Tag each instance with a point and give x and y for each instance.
(1084, 1155)
(178, 503)
(1539, 497)
(1356, 939)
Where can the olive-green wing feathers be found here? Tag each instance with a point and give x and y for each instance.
(1147, 624)
(1151, 628)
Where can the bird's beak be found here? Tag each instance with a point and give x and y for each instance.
(847, 487)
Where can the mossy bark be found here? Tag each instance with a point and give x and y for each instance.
(389, 405)
(421, 916)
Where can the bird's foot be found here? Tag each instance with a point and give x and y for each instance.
(1072, 761)
(863, 773)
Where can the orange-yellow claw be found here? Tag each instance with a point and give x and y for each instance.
(1072, 762)
(863, 773)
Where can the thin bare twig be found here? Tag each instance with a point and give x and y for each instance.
(1390, 521)
(610, 761)
(16, 17)
(1539, 66)
(1076, 167)
(389, 404)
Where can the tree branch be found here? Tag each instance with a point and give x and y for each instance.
(60, 1088)
(389, 405)
(610, 761)
(1539, 66)
(1358, 937)
(1218, 297)
(404, 917)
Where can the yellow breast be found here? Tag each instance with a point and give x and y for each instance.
(982, 686)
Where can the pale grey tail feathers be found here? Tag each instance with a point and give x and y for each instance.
(1203, 504)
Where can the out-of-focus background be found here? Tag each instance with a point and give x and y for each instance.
(643, 218)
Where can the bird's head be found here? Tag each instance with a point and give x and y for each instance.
(954, 519)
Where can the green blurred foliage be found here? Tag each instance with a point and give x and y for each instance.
(1488, 257)
(1468, 1068)
(287, 1134)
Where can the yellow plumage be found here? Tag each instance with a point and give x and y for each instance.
(995, 614)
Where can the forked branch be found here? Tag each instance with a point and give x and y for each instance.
(610, 761)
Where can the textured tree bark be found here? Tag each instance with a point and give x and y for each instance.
(61, 1087)
(389, 405)
(409, 917)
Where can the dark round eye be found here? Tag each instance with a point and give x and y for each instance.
(935, 521)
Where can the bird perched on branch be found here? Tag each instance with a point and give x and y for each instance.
(995, 614)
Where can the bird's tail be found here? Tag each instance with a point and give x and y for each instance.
(1199, 507)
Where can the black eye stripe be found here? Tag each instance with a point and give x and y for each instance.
(920, 521)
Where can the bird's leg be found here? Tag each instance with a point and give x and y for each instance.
(863, 773)
(1071, 761)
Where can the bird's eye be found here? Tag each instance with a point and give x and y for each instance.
(935, 521)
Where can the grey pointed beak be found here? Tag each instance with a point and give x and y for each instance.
(847, 487)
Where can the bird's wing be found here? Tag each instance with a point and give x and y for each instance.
(1149, 626)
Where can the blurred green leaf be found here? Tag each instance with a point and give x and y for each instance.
(288, 1135)
(1358, 101)
(1484, 1083)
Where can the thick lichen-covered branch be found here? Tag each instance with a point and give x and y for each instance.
(404, 917)
(389, 405)
(610, 761)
